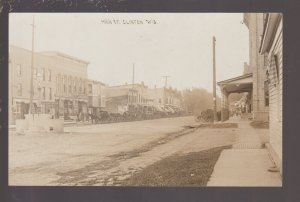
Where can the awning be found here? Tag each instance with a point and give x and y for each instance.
(238, 84)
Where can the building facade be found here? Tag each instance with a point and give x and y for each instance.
(253, 82)
(271, 45)
(59, 83)
(166, 97)
(258, 64)
(96, 94)
(118, 98)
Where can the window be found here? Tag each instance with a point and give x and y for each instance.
(265, 59)
(44, 93)
(90, 89)
(75, 84)
(266, 88)
(19, 90)
(49, 74)
(58, 84)
(276, 68)
(43, 74)
(80, 83)
(19, 70)
(50, 94)
(35, 73)
(64, 83)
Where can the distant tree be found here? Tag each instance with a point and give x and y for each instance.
(198, 100)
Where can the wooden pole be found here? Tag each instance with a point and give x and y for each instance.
(214, 79)
(32, 69)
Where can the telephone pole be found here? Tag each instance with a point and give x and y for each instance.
(32, 67)
(132, 83)
(166, 80)
(214, 79)
(164, 93)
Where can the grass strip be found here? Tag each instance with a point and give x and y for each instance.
(192, 169)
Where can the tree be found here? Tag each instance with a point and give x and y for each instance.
(199, 99)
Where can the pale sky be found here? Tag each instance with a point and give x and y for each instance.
(178, 45)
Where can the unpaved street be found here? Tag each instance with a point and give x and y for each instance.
(105, 154)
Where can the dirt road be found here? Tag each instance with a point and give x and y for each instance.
(105, 154)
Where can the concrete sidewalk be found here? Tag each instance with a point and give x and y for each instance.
(246, 164)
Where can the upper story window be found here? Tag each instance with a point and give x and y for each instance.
(35, 73)
(19, 70)
(43, 74)
(49, 75)
(80, 85)
(44, 93)
(75, 85)
(90, 88)
(19, 89)
(50, 93)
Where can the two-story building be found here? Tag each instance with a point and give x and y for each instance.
(59, 83)
(166, 96)
(96, 94)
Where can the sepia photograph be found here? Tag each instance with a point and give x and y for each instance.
(145, 99)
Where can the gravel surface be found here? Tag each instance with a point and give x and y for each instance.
(105, 154)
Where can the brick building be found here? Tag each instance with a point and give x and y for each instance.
(271, 46)
(59, 81)
(253, 82)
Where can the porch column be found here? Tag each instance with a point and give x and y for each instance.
(224, 105)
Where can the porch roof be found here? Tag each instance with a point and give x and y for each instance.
(238, 84)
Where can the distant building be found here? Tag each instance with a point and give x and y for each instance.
(59, 80)
(166, 96)
(271, 47)
(119, 97)
(96, 94)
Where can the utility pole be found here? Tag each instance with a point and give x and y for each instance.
(166, 84)
(32, 67)
(132, 83)
(166, 80)
(214, 79)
